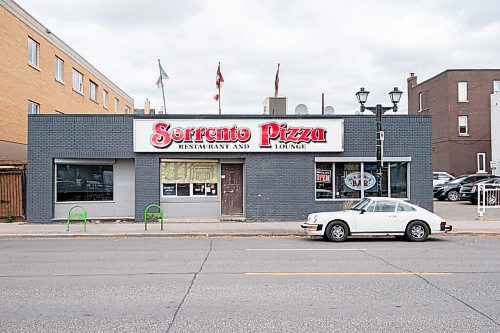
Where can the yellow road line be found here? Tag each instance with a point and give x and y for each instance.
(341, 273)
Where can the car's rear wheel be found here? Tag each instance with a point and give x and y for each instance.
(453, 196)
(337, 231)
(417, 231)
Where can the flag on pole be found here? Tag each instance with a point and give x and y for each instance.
(218, 82)
(163, 76)
(277, 82)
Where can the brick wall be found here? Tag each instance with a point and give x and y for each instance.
(19, 82)
(278, 186)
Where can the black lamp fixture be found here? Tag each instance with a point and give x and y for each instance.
(379, 110)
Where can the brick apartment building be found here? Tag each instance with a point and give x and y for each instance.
(40, 74)
(460, 102)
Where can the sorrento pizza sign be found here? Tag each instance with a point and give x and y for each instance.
(238, 135)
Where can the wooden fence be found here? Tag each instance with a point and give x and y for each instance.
(12, 191)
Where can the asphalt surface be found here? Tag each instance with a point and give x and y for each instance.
(448, 284)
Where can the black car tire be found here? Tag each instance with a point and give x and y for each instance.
(474, 202)
(337, 231)
(417, 231)
(453, 195)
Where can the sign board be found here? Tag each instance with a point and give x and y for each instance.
(238, 135)
(382, 135)
(354, 181)
(323, 176)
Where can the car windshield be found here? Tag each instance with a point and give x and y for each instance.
(458, 180)
(362, 204)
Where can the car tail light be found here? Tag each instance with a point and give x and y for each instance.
(443, 224)
(473, 189)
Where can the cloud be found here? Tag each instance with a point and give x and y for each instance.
(333, 47)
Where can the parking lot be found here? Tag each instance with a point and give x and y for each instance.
(462, 211)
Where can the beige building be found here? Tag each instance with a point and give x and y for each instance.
(40, 74)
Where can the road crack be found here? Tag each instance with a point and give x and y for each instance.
(190, 286)
(435, 287)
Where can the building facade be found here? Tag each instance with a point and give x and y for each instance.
(460, 103)
(40, 74)
(213, 168)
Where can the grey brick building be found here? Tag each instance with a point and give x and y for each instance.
(105, 164)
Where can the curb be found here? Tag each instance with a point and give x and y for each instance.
(201, 235)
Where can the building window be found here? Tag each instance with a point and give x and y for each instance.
(116, 105)
(496, 86)
(481, 162)
(93, 91)
(189, 179)
(84, 182)
(59, 69)
(420, 104)
(357, 180)
(127, 109)
(463, 125)
(33, 108)
(77, 81)
(105, 99)
(462, 92)
(33, 52)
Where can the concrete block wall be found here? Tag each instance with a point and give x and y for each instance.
(278, 186)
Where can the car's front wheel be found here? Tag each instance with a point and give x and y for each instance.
(453, 196)
(337, 231)
(417, 231)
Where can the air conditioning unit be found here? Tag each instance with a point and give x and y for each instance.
(275, 105)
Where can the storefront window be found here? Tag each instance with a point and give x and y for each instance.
(324, 181)
(370, 184)
(399, 180)
(84, 182)
(354, 180)
(185, 179)
(348, 180)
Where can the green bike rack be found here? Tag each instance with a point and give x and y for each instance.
(155, 215)
(77, 216)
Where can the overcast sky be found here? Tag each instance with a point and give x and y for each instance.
(331, 47)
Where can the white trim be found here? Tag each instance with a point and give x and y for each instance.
(105, 161)
(483, 157)
(361, 159)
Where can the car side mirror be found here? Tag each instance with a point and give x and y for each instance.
(362, 211)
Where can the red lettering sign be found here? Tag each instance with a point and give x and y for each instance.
(282, 133)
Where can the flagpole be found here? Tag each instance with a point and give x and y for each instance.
(219, 93)
(162, 91)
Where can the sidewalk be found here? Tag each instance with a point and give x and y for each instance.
(194, 229)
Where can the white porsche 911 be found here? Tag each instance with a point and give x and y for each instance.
(377, 216)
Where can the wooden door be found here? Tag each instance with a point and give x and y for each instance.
(232, 189)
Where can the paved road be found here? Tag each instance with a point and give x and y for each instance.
(449, 284)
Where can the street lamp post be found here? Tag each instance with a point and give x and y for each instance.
(379, 110)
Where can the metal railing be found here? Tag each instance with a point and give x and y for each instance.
(487, 198)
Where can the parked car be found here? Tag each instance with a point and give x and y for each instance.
(441, 177)
(451, 190)
(376, 216)
(470, 191)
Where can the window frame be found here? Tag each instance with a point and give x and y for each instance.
(466, 125)
(496, 86)
(481, 156)
(59, 61)
(37, 107)
(80, 83)
(105, 96)
(127, 109)
(191, 195)
(362, 166)
(84, 163)
(463, 96)
(35, 64)
(420, 101)
(96, 90)
(117, 104)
